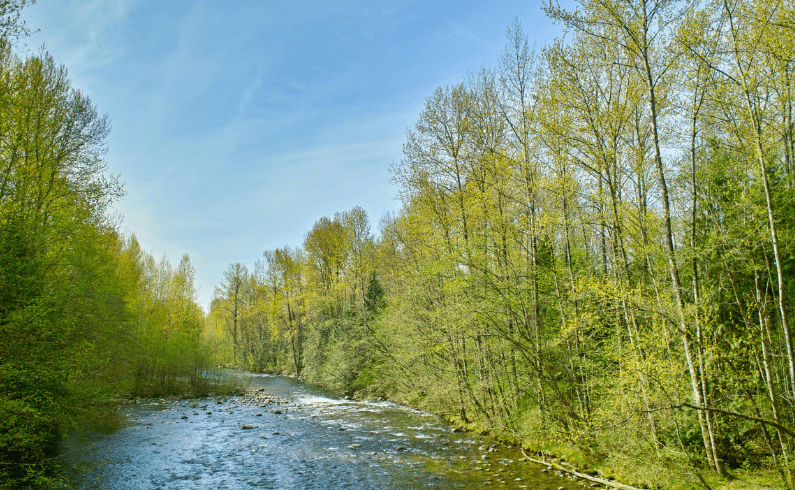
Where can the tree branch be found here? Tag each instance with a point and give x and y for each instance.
(771, 423)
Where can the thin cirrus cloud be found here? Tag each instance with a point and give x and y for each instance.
(236, 125)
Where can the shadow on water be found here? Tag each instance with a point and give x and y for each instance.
(284, 434)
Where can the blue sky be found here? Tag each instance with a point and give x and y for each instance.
(238, 124)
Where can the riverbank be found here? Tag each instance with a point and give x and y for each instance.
(577, 464)
(619, 472)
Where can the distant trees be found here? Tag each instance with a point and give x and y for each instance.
(313, 304)
(165, 353)
(284, 286)
(232, 293)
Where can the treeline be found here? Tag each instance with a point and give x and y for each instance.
(86, 316)
(594, 254)
(306, 311)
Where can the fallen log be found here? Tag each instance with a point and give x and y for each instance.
(576, 473)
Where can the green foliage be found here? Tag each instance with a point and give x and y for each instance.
(11, 28)
(85, 315)
(374, 301)
(594, 254)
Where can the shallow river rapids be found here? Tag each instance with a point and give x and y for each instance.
(300, 437)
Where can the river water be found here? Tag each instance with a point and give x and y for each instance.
(304, 439)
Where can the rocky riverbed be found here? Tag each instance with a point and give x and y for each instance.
(281, 434)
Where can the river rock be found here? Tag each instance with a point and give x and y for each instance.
(259, 397)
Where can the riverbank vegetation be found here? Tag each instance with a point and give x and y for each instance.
(86, 316)
(594, 254)
(594, 258)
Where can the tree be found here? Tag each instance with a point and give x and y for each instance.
(55, 291)
(642, 29)
(231, 293)
(580, 261)
(11, 28)
(284, 276)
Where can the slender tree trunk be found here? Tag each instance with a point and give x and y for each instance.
(670, 253)
(702, 374)
(771, 387)
(756, 120)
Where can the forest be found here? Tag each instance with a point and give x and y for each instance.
(594, 255)
(593, 258)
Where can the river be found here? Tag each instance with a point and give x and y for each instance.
(302, 438)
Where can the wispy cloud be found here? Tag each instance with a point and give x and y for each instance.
(238, 124)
